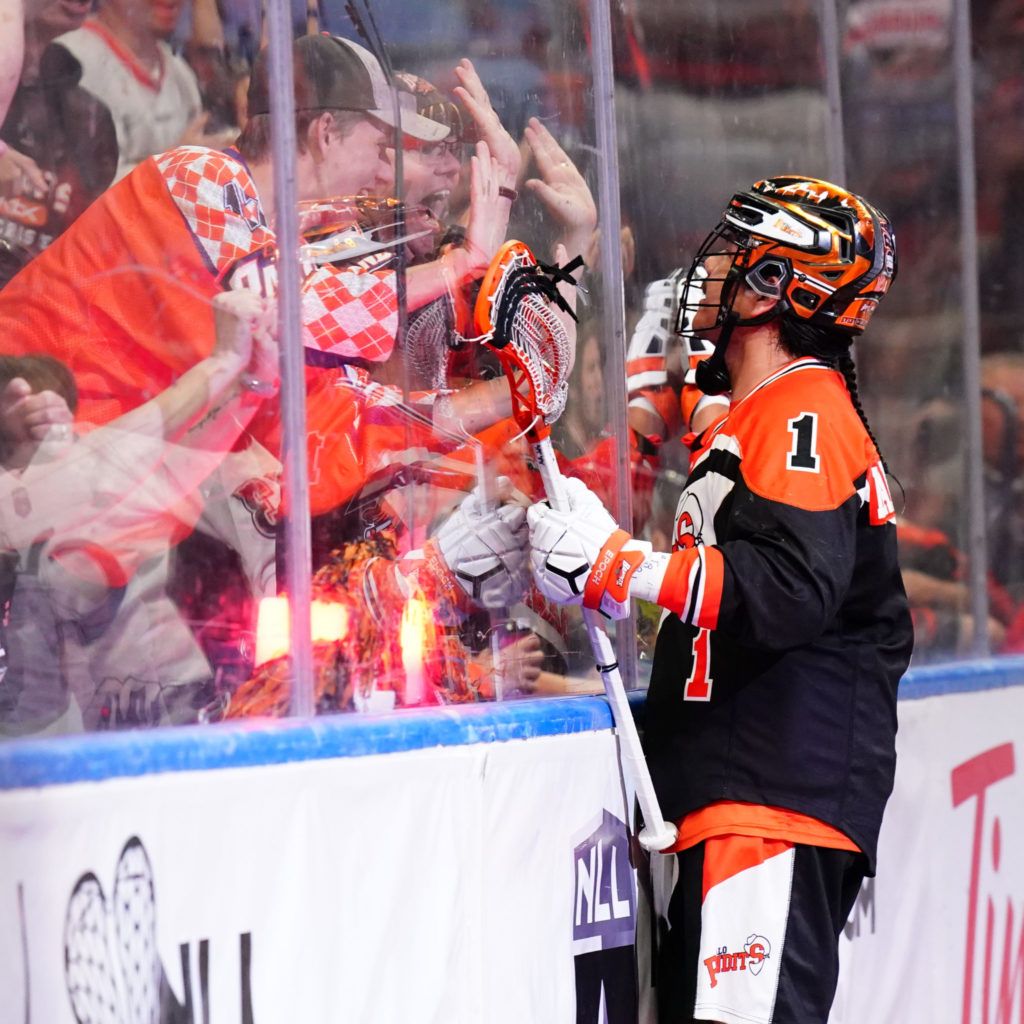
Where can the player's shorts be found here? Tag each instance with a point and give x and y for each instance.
(754, 932)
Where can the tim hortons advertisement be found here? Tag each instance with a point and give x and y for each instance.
(464, 884)
(938, 936)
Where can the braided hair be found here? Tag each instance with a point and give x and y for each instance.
(831, 347)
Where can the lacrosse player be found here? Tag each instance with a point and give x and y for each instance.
(771, 715)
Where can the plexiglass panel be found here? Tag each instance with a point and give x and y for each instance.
(145, 506)
(999, 50)
(901, 133)
(144, 514)
(710, 98)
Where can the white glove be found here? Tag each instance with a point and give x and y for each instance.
(581, 556)
(666, 307)
(689, 300)
(485, 549)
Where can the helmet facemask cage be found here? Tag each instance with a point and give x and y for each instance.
(766, 279)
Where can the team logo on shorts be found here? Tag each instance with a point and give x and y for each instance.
(751, 958)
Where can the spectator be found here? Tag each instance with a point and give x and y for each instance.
(87, 521)
(182, 227)
(432, 170)
(122, 297)
(63, 149)
(152, 93)
(935, 567)
(584, 422)
(475, 559)
(216, 74)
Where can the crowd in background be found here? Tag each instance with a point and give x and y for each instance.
(710, 97)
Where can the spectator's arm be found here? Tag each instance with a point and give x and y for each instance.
(20, 175)
(562, 190)
(210, 404)
(207, 27)
(474, 97)
(12, 51)
(924, 589)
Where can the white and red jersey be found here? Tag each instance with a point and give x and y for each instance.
(151, 106)
(775, 674)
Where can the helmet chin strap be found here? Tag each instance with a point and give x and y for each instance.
(712, 374)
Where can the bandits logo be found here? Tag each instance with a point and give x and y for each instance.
(261, 497)
(755, 951)
(245, 206)
(689, 523)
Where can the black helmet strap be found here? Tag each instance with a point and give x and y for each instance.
(712, 374)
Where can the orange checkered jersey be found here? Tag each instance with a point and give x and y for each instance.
(123, 298)
(775, 673)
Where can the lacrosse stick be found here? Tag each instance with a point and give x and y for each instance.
(515, 313)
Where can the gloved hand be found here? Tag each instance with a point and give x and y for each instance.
(655, 404)
(669, 307)
(581, 556)
(485, 549)
(690, 297)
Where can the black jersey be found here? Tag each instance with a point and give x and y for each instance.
(70, 135)
(775, 673)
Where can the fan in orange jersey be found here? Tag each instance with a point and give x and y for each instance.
(123, 298)
(771, 716)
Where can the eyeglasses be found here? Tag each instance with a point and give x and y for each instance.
(437, 151)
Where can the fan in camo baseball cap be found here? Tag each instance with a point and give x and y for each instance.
(336, 74)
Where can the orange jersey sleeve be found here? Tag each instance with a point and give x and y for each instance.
(802, 446)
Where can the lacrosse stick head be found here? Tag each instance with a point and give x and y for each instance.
(515, 313)
(432, 333)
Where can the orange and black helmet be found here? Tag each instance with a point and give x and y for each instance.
(826, 254)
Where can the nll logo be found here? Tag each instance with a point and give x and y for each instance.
(597, 888)
(604, 925)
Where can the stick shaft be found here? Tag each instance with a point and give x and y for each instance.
(658, 833)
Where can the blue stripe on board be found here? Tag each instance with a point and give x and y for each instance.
(964, 677)
(98, 756)
(43, 762)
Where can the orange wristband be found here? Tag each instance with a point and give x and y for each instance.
(597, 581)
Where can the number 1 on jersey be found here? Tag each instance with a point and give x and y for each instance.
(803, 456)
(698, 686)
